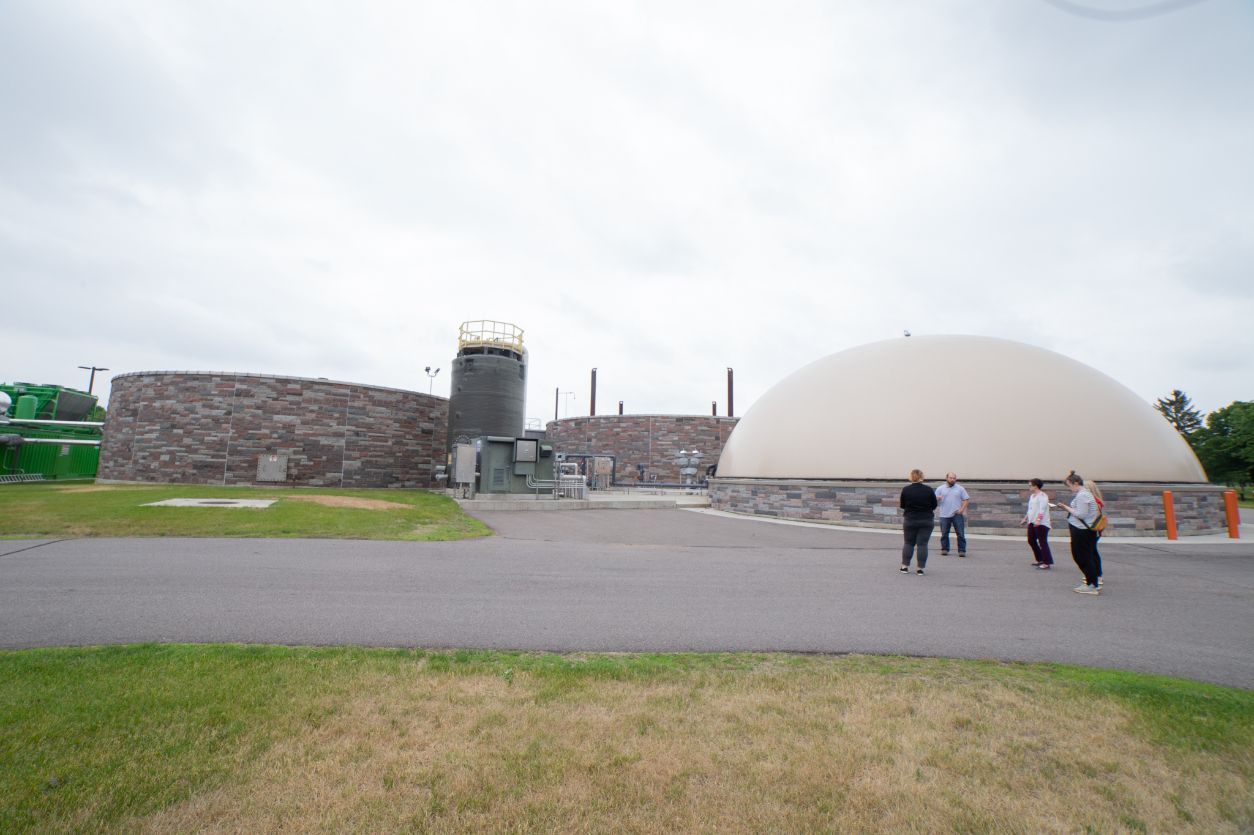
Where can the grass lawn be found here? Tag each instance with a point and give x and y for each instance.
(228, 738)
(85, 509)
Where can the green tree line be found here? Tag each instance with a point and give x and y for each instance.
(1223, 441)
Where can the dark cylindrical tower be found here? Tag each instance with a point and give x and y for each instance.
(489, 384)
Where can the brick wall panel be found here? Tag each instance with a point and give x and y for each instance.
(1133, 509)
(651, 440)
(202, 428)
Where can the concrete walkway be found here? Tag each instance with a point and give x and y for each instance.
(644, 580)
(1245, 532)
(641, 499)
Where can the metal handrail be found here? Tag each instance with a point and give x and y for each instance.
(489, 333)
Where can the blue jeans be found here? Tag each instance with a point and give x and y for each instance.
(959, 523)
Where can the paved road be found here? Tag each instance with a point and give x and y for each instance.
(662, 580)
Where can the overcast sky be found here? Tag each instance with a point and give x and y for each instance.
(660, 190)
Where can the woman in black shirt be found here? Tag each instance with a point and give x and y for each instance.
(918, 504)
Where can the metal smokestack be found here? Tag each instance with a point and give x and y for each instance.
(730, 411)
(714, 408)
(557, 396)
(620, 407)
(592, 408)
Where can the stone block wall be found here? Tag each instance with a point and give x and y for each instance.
(996, 507)
(651, 440)
(211, 428)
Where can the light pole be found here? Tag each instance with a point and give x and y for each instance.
(430, 378)
(91, 381)
(566, 403)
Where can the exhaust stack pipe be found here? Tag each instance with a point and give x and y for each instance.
(730, 411)
(592, 409)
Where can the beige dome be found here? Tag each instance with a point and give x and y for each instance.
(988, 409)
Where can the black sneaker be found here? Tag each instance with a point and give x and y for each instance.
(905, 569)
(919, 572)
(962, 554)
(944, 553)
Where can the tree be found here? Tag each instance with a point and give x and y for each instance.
(1225, 446)
(1178, 409)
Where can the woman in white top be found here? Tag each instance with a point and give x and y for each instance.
(1037, 520)
(1082, 514)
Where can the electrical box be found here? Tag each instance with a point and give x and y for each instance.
(506, 465)
(463, 464)
(271, 467)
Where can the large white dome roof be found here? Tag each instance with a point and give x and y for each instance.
(988, 409)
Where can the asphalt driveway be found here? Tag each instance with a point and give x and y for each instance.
(643, 580)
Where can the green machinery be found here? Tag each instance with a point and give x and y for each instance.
(494, 464)
(44, 433)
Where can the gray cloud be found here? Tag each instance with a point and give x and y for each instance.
(652, 190)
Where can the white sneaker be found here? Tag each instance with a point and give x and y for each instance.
(1081, 587)
(1089, 590)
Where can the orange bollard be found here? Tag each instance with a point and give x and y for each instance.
(1232, 514)
(1169, 510)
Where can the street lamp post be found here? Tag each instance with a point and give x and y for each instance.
(91, 381)
(430, 378)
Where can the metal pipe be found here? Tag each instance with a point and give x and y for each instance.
(592, 408)
(730, 410)
(557, 395)
(56, 422)
(620, 407)
(714, 408)
(62, 441)
(1231, 514)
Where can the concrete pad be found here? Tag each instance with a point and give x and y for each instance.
(1245, 531)
(606, 500)
(212, 503)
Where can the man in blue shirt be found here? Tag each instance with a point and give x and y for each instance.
(953, 500)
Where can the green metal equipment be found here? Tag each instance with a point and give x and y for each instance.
(43, 433)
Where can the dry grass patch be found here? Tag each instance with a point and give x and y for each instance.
(786, 745)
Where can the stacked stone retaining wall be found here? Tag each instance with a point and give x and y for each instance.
(212, 428)
(996, 507)
(650, 440)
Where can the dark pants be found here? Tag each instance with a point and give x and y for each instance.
(916, 533)
(1038, 541)
(959, 523)
(1084, 552)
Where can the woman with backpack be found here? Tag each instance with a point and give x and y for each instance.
(1091, 486)
(1081, 514)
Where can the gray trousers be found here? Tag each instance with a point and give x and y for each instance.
(916, 534)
